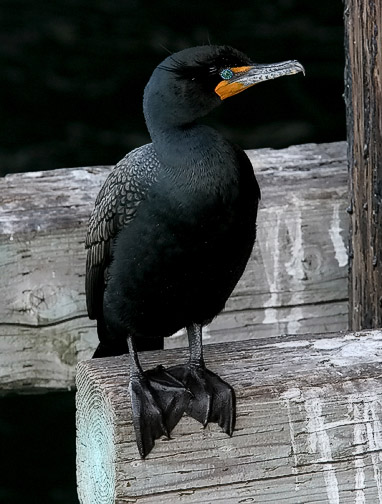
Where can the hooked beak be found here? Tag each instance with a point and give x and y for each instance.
(245, 77)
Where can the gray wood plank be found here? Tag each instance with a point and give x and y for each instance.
(309, 427)
(296, 280)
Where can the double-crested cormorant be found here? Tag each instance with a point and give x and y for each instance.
(170, 235)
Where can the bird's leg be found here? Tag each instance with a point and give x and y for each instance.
(147, 415)
(213, 400)
(158, 401)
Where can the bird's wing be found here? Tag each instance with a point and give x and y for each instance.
(115, 207)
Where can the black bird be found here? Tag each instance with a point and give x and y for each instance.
(170, 235)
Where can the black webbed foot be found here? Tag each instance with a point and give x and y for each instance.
(171, 395)
(158, 402)
(213, 400)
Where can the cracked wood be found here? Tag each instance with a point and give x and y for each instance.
(309, 427)
(363, 93)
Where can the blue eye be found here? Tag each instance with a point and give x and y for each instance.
(226, 74)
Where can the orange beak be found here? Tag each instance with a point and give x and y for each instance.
(245, 77)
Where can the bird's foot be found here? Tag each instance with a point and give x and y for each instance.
(212, 400)
(158, 402)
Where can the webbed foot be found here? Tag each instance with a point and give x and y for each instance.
(158, 402)
(212, 400)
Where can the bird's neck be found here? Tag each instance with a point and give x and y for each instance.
(196, 159)
(188, 145)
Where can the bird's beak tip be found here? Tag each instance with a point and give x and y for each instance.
(299, 68)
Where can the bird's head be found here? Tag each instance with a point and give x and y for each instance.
(190, 83)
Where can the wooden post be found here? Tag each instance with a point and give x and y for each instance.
(308, 430)
(363, 93)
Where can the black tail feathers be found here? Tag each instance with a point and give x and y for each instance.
(109, 347)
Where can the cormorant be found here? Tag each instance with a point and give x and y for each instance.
(170, 235)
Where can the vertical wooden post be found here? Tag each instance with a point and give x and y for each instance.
(363, 95)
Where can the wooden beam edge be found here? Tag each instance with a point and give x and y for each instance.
(326, 373)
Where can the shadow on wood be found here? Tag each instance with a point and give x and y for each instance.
(309, 427)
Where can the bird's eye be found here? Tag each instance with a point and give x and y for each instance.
(226, 74)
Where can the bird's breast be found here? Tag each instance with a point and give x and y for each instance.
(185, 249)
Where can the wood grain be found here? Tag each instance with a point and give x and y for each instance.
(309, 427)
(363, 92)
(296, 280)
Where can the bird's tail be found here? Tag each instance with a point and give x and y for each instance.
(109, 347)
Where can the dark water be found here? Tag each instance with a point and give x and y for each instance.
(72, 77)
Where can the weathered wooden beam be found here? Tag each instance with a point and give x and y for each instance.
(309, 427)
(296, 280)
(363, 92)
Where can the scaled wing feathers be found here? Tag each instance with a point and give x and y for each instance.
(124, 189)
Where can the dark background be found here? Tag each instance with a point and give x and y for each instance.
(73, 74)
(72, 78)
